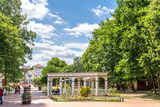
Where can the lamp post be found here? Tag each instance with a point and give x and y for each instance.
(24, 69)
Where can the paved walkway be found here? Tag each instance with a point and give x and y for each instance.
(41, 100)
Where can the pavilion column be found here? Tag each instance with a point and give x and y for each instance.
(106, 85)
(84, 81)
(51, 86)
(96, 91)
(93, 87)
(73, 85)
(48, 86)
(79, 80)
(64, 85)
(60, 85)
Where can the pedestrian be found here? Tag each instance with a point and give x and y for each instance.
(1, 95)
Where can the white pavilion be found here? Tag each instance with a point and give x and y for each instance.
(85, 76)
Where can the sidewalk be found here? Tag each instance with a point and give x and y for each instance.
(38, 100)
(41, 100)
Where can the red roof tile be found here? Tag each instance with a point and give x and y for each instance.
(38, 65)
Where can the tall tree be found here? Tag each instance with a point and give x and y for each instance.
(77, 65)
(12, 9)
(53, 66)
(10, 45)
(150, 59)
(129, 44)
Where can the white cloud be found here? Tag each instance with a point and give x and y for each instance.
(58, 22)
(82, 46)
(112, 18)
(99, 10)
(58, 19)
(82, 29)
(56, 16)
(35, 8)
(44, 31)
(64, 52)
(47, 41)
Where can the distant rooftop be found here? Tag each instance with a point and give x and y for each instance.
(38, 65)
(32, 71)
(24, 67)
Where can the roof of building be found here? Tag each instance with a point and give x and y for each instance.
(38, 65)
(24, 67)
(32, 71)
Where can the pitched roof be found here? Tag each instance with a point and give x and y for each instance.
(38, 65)
(32, 71)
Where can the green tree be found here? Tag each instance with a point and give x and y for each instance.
(150, 59)
(53, 66)
(127, 46)
(11, 52)
(77, 65)
(9, 55)
(68, 68)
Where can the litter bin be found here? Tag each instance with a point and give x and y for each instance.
(39, 87)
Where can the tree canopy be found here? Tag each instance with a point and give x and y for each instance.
(128, 46)
(14, 38)
(53, 66)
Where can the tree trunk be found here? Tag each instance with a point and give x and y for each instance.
(154, 85)
(158, 79)
(133, 88)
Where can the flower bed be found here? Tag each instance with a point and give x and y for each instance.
(79, 98)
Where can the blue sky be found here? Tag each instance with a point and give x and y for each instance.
(64, 27)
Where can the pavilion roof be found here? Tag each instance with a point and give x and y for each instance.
(78, 74)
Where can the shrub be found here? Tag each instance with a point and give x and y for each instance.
(13, 86)
(85, 91)
(6, 87)
(68, 87)
(57, 85)
(112, 91)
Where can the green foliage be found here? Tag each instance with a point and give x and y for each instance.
(128, 46)
(68, 87)
(13, 86)
(14, 39)
(77, 65)
(37, 80)
(112, 91)
(69, 68)
(53, 66)
(43, 79)
(6, 87)
(85, 91)
(57, 85)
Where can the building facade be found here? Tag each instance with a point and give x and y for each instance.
(38, 70)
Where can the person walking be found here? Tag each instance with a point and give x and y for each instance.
(1, 95)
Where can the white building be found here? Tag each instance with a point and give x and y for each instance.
(38, 70)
